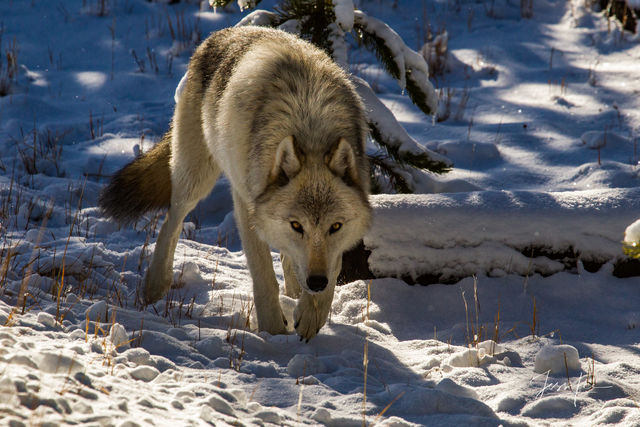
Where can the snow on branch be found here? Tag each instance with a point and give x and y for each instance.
(259, 18)
(242, 4)
(402, 62)
(344, 12)
(338, 45)
(386, 129)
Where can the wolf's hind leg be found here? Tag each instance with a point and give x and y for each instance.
(265, 285)
(291, 286)
(160, 273)
(187, 189)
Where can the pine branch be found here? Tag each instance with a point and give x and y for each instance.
(418, 96)
(403, 63)
(393, 138)
(417, 160)
(381, 164)
(379, 48)
(314, 17)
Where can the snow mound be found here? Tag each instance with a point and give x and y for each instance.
(305, 364)
(484, 353)
(466, 153)
(557, 359)
(599, 139)
(632, 233)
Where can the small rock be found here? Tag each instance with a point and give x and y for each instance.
(146, 403)
(77, 334)
(162, 363)
(139, 356)
(98, 312)
(77, 349)
(59, 363)
(87, 394)
(83, 378)
(96, 347)
(144, 373)
(47, 319)
(21, 386)
(310, 380)
(220, 405)
(72, 298)
(269, 416)
(82, 408)
(322, 416)
(118, 336)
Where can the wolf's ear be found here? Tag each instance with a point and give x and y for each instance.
(342, 162)
(286, 160)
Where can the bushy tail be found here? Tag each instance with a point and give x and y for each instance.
(141, 186)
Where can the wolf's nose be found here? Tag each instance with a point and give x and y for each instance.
(317, 283)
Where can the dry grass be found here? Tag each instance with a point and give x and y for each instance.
(8, 65)
(446, 101)
(185, 33)
(41, 151)
(476, 332)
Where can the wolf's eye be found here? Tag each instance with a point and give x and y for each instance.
(335, 227)
(297, 227)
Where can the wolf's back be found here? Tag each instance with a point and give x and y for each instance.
(141, 186)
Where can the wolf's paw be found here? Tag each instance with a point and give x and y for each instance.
(276, 325)
(155, 288)
(311, 314)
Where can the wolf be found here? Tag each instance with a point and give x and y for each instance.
(285, 125)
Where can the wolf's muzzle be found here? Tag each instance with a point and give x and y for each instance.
(317, 283)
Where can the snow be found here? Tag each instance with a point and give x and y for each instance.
(506, 227)
(344, 11)
(599, 139)
(632, 233)
(557, 359)
(529, 209)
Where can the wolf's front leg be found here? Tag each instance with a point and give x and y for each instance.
(265, 285)
(312, 311)
(291, 286)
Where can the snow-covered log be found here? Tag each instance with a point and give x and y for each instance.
(431, 238)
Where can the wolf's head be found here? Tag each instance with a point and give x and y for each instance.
(315, 208)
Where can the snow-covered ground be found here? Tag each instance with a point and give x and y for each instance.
(542, 125)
